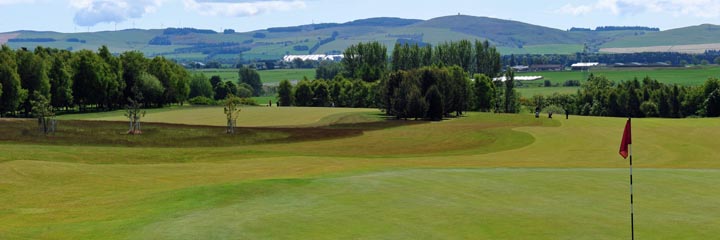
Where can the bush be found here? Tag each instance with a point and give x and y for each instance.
(201, 100)
(248, 101)
(650, 109)
(571, 83)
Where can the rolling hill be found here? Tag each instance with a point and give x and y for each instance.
(511, 37)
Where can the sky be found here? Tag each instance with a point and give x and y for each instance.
(248, 15)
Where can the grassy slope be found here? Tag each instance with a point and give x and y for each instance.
(565, 181)
(689, 35)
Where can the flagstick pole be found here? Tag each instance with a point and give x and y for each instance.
(632, 210)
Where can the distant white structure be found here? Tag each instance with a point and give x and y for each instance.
(519, 78)
(314, 57)
(585, 64)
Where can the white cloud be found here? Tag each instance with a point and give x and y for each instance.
(92, 12)
(696, 8)
(240, 8)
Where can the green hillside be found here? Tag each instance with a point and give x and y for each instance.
(702, 34)
(511, 37)
(503, 32)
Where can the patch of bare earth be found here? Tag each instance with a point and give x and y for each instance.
(7, 36)
(691, 48)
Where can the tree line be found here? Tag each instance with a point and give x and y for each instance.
(86, 80)
(428, 82)
(672, 58)
(646, 98)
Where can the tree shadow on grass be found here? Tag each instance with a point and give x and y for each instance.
(110, 133)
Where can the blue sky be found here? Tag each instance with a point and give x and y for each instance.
(247, 15)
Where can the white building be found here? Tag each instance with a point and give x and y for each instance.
(314, 57)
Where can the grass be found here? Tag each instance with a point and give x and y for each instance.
(691, 76)
(272, 77)
(214, 116)
(275, 76)
(483, 176)
(543, 49)
(528, 92)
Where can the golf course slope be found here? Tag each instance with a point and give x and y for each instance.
(325, 173)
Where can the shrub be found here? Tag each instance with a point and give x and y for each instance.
(248, 101)
(201, 100)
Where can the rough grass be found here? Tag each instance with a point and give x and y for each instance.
(483, 176)
(214, 116)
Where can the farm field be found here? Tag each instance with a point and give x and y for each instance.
(301, 173)
(690, 76)
(272, 77)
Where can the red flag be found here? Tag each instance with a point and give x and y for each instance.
(626, 140)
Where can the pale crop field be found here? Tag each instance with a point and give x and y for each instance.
(484, 176)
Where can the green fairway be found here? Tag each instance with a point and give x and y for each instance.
(484, 176)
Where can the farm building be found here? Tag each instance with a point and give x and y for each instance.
(546, 67)
(520, 68)
(314, 57)
(584, 65)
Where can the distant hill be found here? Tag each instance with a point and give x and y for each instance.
(701, 34)
(511, 37)
(503, 32)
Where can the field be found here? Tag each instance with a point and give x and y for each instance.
(690, 48)
(689, 76)
(272, 77)
(303, 173)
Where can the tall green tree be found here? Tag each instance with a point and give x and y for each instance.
(221, 91)
(113, 82)
(484, 91)
(285, 94)
(60, 84)
(328, 70)
(134, 65)
(303, 94)
(201, 86)
(510, 94)
(711, 105)
(366, 61)
(321, 93)
(252, 78)
(33, 76)
(151, 89)
(13, 94)
(487, 59)
(435, 104)
(161, 69)
(182, 86)
(89, 80)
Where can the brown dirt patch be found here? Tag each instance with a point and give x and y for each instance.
(7, 36)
